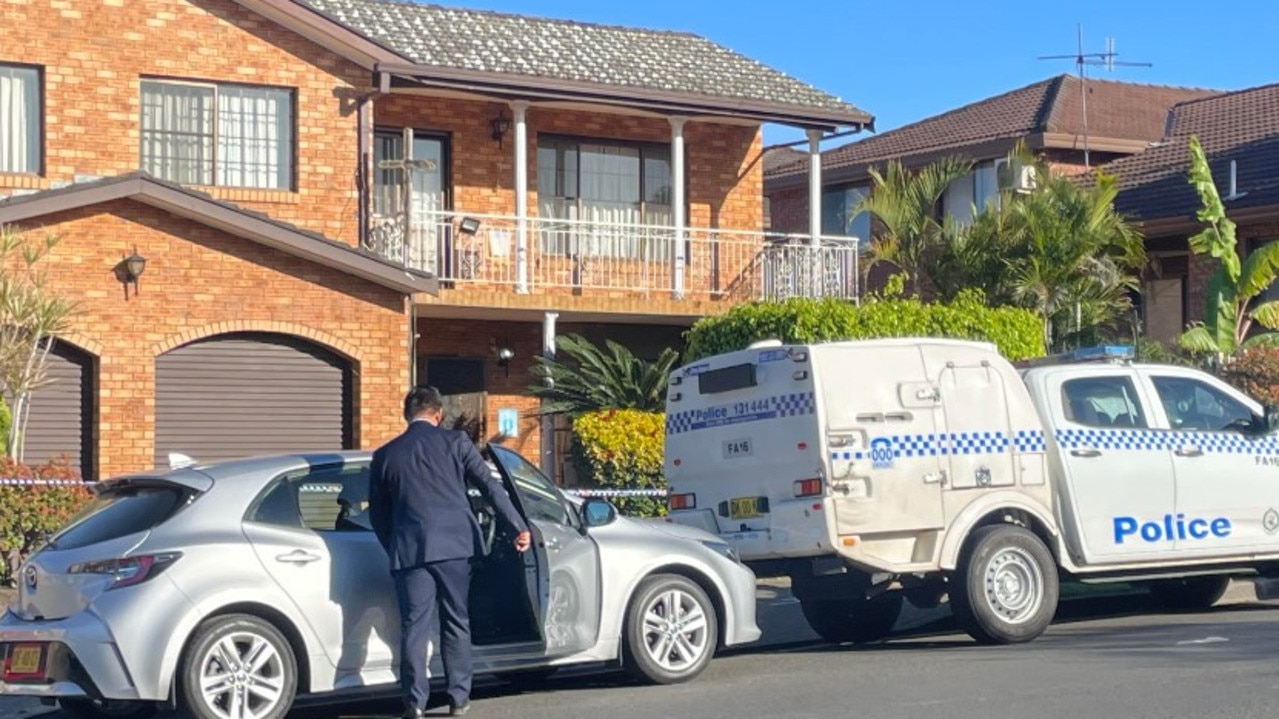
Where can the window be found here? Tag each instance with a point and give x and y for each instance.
(225, 135)
(1194, 405)
(621, 193)
(20, 117)
(838, 206)
(1104, 402)
(540, 499)
(974, 192)
(119, 512)
(327, 498)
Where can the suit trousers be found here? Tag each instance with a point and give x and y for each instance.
(425, 591)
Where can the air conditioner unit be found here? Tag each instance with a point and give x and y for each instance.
(1023, 178)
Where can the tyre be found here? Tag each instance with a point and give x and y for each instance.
(96, 709)
(1005, 590)
(671, 630)
(1189, 593)
(853, 620)
(237, 667)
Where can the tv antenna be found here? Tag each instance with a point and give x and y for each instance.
(1083, 60)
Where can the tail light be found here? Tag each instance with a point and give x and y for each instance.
(808, 487)
(128, 571)
(681, 501)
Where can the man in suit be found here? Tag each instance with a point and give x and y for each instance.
(421, 514)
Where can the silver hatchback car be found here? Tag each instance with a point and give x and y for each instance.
(228, 589)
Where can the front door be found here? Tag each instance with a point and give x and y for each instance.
(1227, 479)
(312, 535)
(1115, 487)
(427, 199)
(568, 580)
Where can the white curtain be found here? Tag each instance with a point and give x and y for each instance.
(254, 138)
(19, 119)
(177, 132)
(426, 202)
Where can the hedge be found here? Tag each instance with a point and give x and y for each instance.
(1255, 371)
(1017, 332)
(30, 512)
(622, 449)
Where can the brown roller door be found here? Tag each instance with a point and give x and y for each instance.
(61, 417)
(240, 395)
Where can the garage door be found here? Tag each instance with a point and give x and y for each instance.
(241, 395)
(61, 419)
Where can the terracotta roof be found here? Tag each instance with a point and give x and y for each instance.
(1117, 111)
(200, 207)
(604, 56)
(782, 156)
(1242, 126)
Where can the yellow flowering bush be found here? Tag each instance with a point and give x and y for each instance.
(622, 449)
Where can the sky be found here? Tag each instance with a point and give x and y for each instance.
(904, 61)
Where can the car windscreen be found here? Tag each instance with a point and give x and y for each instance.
(121, 511)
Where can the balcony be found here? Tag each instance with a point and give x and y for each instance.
(586, 257)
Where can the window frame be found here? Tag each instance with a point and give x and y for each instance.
(291, 153)
(290, 477)
(41, 129)
(1141, 421)
(1197, 384)
(446, 158)
(570, 510)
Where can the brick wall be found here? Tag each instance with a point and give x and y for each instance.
(94, 51)
(201, 281)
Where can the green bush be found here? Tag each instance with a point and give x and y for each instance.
(29, 512)
(6, 420)
(1255, 371)
(622, 449)
(1016, 332)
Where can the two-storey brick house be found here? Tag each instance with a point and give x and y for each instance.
(260, 155)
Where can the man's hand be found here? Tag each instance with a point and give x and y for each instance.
(522, 541)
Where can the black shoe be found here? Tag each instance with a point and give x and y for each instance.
(412, 714)
(457, 710)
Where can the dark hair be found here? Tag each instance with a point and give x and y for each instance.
(422, 399)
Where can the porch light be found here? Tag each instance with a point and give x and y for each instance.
(468, 226)
(500, 125)
(129, 270)
(504, 356)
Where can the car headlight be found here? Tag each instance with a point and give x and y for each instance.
(723, 549)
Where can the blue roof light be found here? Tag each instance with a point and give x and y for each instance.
(1102, 352)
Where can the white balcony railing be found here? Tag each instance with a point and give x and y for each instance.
(625, 258)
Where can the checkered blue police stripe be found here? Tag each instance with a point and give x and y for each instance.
(920, 445)
(784, 405)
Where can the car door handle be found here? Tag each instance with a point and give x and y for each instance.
(1086, 452)
(1189, 452)
(297, 556)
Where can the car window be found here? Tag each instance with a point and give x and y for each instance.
(540, 498)
(328, 498)
(1106, 402)
(121, 511)
(1195, 405)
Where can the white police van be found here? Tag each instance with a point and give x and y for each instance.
(872, 471)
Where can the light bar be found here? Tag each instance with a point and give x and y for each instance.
(1102, 352)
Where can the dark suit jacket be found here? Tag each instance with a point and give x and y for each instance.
(417, 496)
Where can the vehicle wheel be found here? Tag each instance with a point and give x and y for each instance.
(96, 709)
(1189, 593)
(237, 667)
(671, 630)
(1005, 590)
(853, 620)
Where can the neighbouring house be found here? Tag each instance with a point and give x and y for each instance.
(1048, 117)
(337, 198)
(1239, 132)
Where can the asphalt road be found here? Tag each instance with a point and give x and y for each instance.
(1105, 657)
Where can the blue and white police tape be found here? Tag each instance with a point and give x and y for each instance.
(606, 493)
(24, 482)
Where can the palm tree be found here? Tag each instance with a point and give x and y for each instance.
(905, 205)
(584, 378)
(1229, 313)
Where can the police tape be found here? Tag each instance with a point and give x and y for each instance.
(25, 482)
(584, 493)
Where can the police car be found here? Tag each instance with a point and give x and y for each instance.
(924, 469)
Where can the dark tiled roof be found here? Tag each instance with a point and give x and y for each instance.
(1241, 126)
(505, 44)
(201, 207)
(782, 156)
(1116, 111)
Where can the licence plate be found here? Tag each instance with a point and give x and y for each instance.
(744, 508)
(738, 448)
(25, 660)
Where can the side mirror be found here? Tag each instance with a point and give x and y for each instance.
(598, 512)
(1271, 419)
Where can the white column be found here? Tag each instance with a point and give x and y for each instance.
(679, 260)
(547, 421)
(520, 108)
(815, 210)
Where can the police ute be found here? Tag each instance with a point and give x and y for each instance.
(872, 472)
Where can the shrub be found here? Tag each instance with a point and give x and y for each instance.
(1255, 371)
(622, 449)
(30, 512)
(1016, 332)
